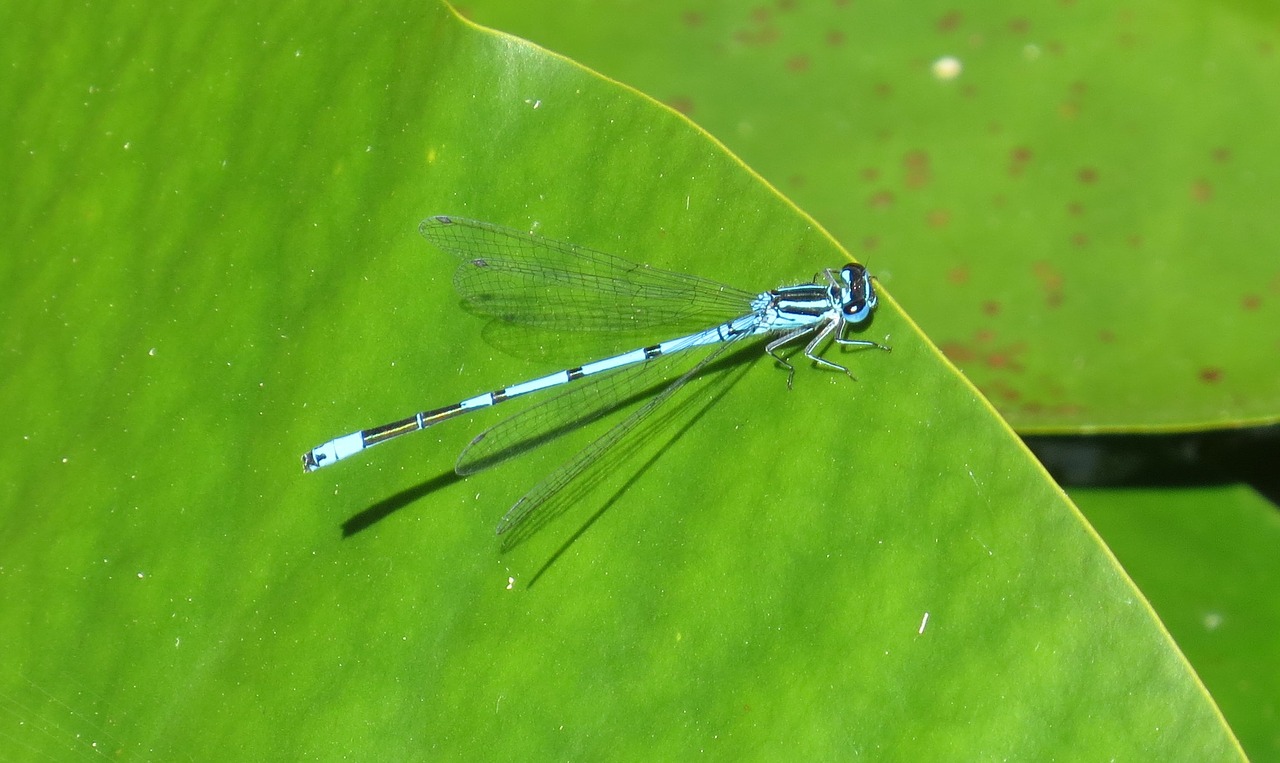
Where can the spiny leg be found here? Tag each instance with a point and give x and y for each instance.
(787, 338)
(826, 330)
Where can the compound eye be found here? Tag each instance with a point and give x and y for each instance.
(853, 274)
(862, 297)
(856, 310)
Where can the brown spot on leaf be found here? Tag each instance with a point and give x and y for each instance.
(881, 200)
(959, 275)
(1019, 25)
(1002, 390)
(1005, 359)
(916, 164)
(691, 19)
(1079, 239)
(1019, 158)
(1050, 280)
(835, 38)
(1222, 155)
(1211, 375)
(1251, 302)
(957, 352)
(1201, 191)
(938, 218)
(1087, 175)
(1075, 209)
(950, 21)
(682, 104)
(798, 63)
(991, 308)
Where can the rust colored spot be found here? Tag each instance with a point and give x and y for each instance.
(1019, 158)
(968, 90)
(682, 104)
(1050, 280)
(938, 218)
(957, 352)
(1251, 302)
(881, 200)
(999, 200)
(1002, 361)
(1069, 110)
(1055, 47)
(959, 275)
(1201, 191)
(798, 181)
(761, 14)
(983, 336)
(1075, 209)
(1211, 375)
(1106, 336)
(786, 5)
(1222, 155)
(692, 19)
(916, 164)
(870, 174)
(1079, 239)
(798, 63)
(870, 243)
(1087, 175)
(835, 38)
(1135, 241)
(1079, 87)
(1003, 391)
(883, 89)
(991, 308)
(1019, 25)
(950, 21)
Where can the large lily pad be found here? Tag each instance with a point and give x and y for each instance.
(1074, 199)
(214, 267)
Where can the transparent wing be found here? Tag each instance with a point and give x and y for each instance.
(524, 279)
(551, 496)
(582, 403)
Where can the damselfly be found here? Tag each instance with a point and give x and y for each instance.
(519, 279)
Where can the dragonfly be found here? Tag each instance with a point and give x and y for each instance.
(524, 281)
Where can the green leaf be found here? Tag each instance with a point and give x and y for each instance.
(1202, 556)
(1082, 217)
(215, 267)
